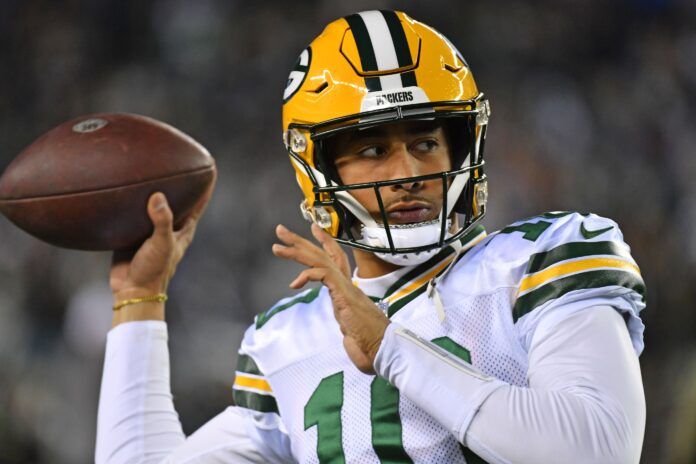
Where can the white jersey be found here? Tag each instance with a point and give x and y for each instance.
(495, 292)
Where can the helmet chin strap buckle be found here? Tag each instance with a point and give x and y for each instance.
(318, 215)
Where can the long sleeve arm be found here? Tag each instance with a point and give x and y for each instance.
(584, 402)
(136, 412)
(137, 421)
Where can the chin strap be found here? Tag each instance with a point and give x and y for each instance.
(406, 236)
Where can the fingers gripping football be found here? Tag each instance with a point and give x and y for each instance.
(361, 323)
(149, 270)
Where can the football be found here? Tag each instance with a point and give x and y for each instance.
(85, 184)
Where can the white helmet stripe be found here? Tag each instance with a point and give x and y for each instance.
(381, 39)
(383, 47)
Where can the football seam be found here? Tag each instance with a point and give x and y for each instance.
(106, 189)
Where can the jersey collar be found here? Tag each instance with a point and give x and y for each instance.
(392, 291)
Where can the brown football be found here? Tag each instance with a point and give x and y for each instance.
(85, 184)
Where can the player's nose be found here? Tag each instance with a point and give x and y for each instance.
(403, 166)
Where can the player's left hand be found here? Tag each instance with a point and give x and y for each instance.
(361, 322)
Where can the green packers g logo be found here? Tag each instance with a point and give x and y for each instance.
(298, 74)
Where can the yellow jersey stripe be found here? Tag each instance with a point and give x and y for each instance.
(433, 272)
(418, 282)
(565, 268)
(252, 382)
(415, 283)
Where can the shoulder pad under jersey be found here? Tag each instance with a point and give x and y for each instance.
(570, 260)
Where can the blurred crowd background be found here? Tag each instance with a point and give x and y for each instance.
(594, 109)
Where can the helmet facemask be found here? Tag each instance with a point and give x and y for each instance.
(463, 186)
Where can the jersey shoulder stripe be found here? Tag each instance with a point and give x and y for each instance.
(567, 258)
(247, 365)
(569, 251)
(254, 401)
(251, 390)
(583, 280)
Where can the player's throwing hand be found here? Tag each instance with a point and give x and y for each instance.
(148, 271)
(361, 323)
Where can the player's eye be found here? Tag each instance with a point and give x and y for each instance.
(425, 146)
(373, 151)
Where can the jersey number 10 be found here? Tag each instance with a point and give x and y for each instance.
(324, 410)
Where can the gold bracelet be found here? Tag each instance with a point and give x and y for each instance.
(160, 298)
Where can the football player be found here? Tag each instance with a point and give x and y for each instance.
(445, 344)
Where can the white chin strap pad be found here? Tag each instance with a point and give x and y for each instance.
(406, 236)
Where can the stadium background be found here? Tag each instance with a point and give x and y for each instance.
(593, 110)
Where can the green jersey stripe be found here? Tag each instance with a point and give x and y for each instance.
(247, 364)
(307, 297)
(418, 270)
(584, 280)
(572, 250)
(393, 308)
(255, 401)
(401, 302)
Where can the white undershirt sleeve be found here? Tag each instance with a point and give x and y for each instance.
(584, 401)
(137, 421)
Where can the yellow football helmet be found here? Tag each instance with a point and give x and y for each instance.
(378, 67)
